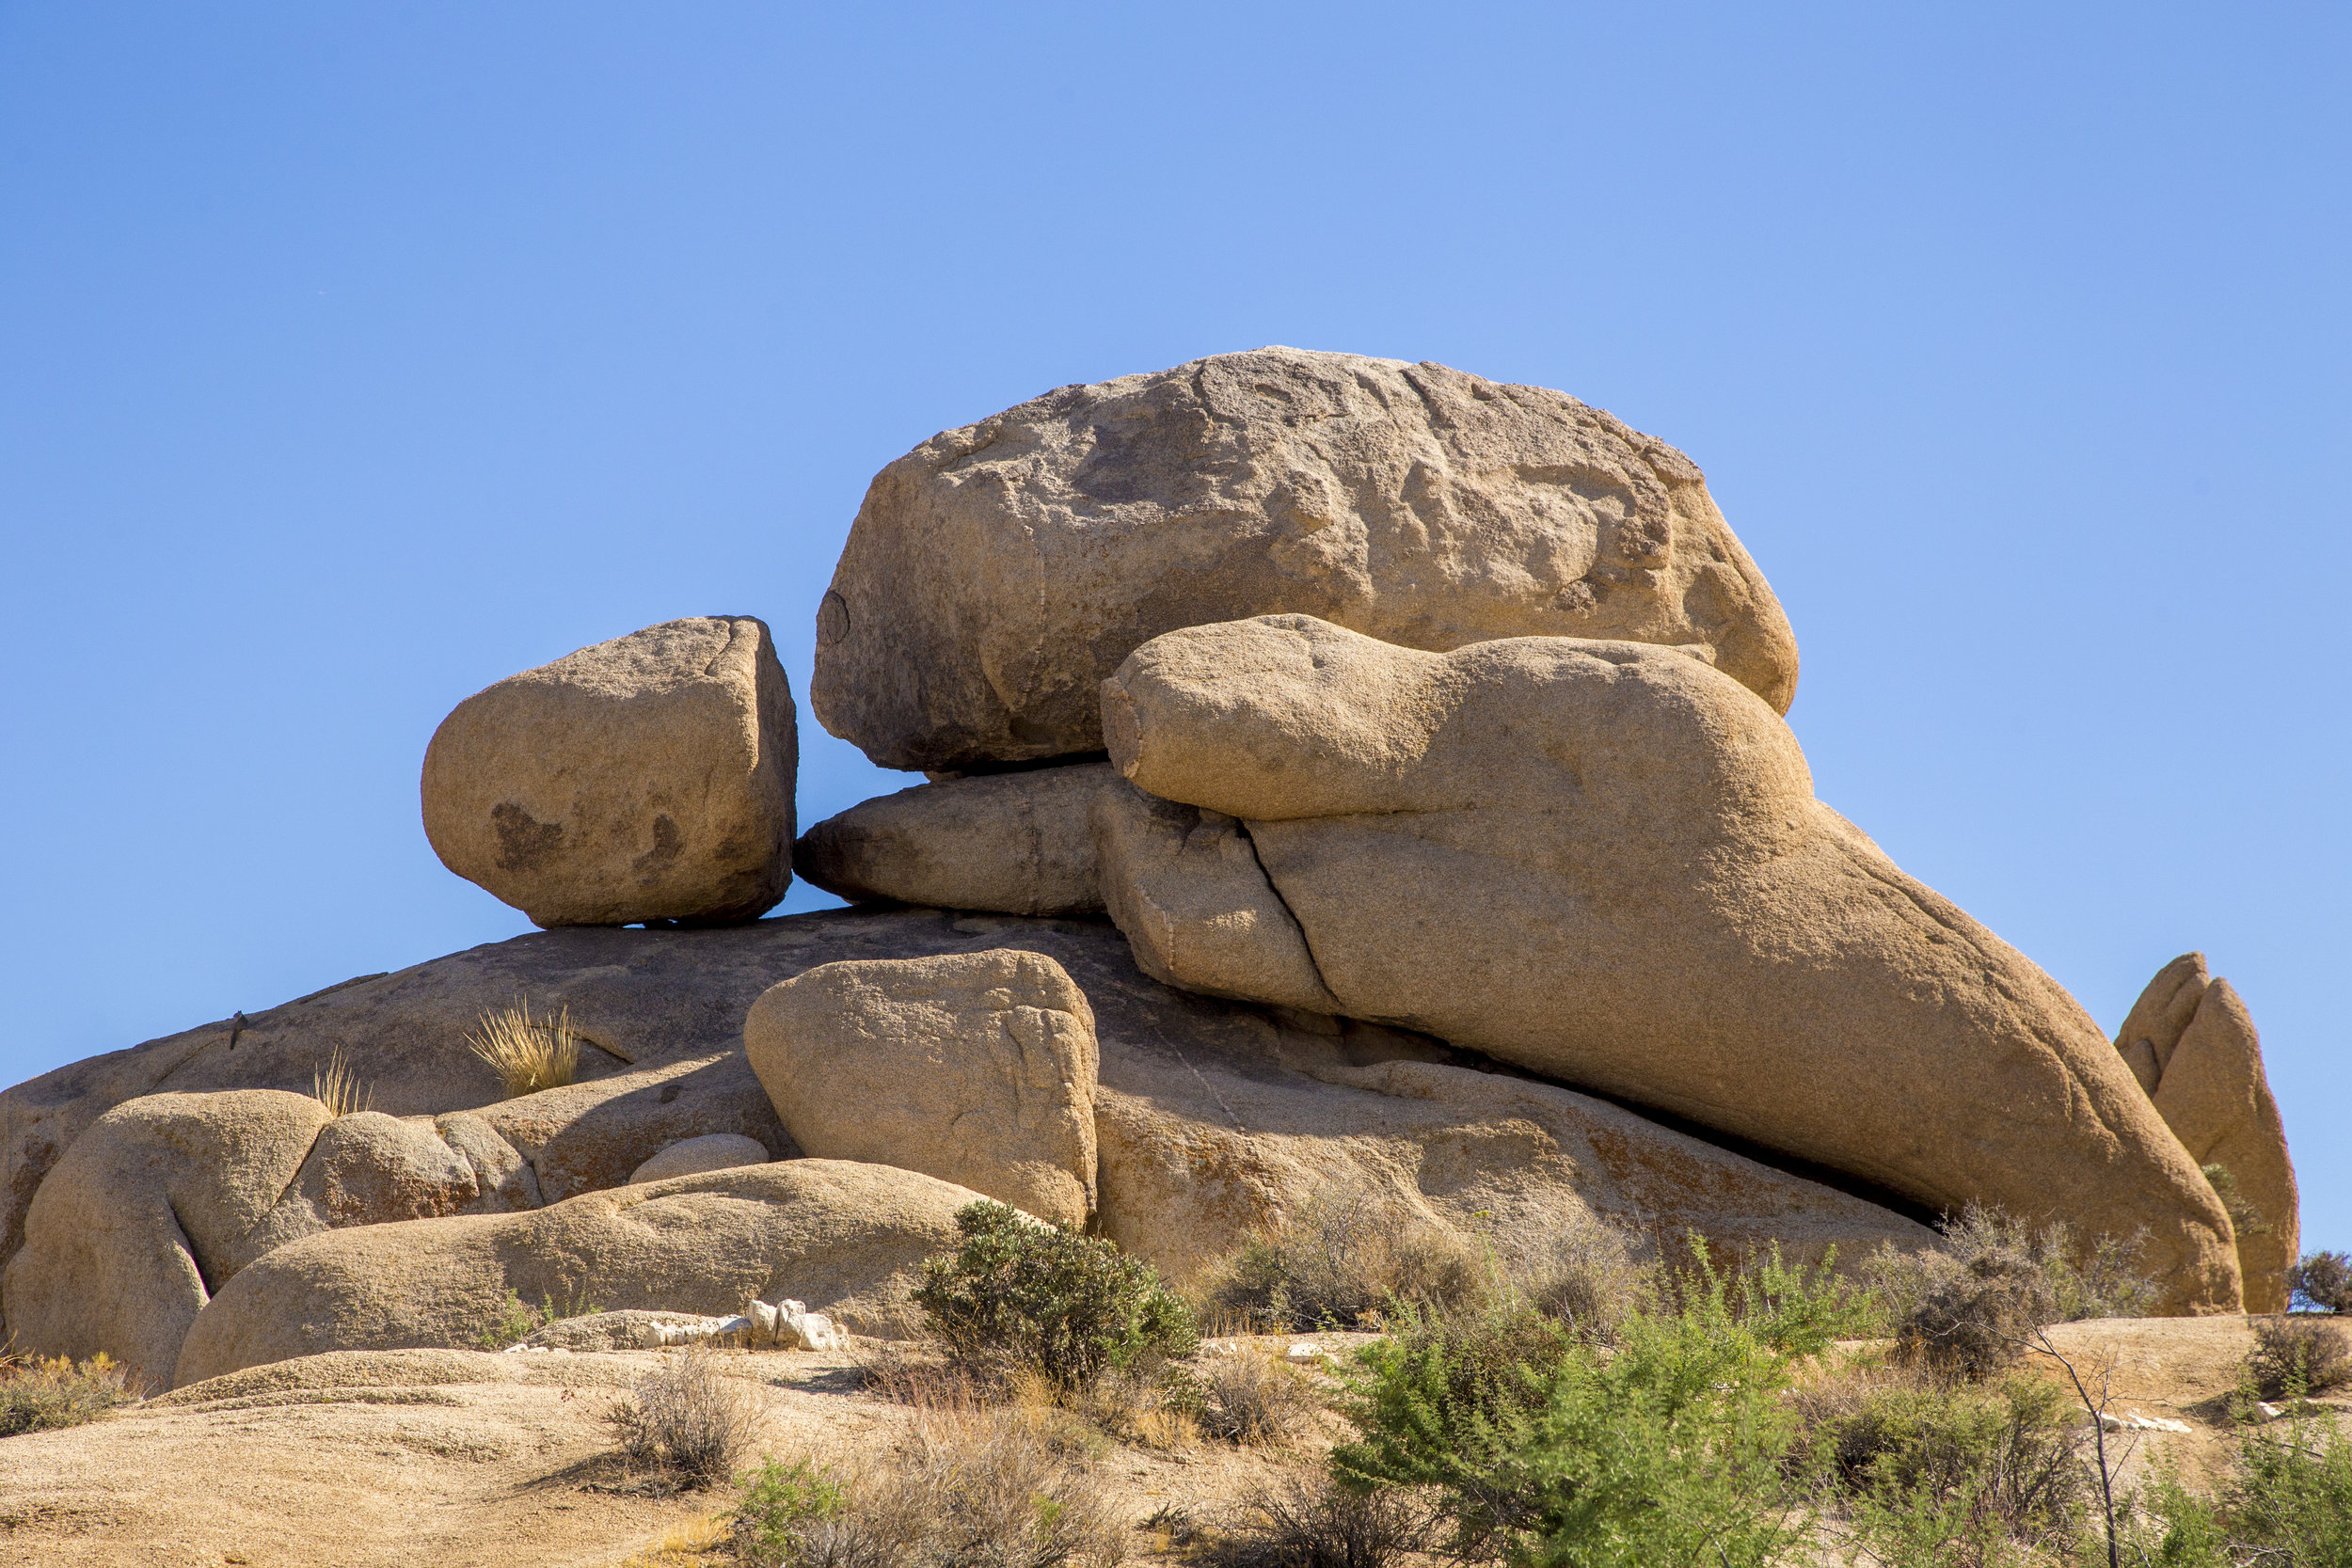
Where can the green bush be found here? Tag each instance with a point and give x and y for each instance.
(1929, 1470)
(43, 1395)
(780, 1503)
(1071, 1306)
(2289, 1504)
(1666, 1448)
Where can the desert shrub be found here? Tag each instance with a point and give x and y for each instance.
(1665, 1449)
(41, 1395)
(2246, 1219)
(966, 1490)
(1311, 1522)
(1071, 1306)
(337, 1086)
(1251, 1397)
(1587, 1274)
(2297, 1357)
(688, 1419)
(2322, 1282)
(1792, 1310)
(515, 1320)
(1934, 1469)
(2289, 1503)
(527, 1054)
(1968, 1304)
(1338, 1263)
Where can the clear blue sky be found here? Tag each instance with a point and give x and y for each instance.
(353, 356)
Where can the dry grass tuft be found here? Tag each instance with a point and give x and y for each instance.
(1342, 1262)
(527, 1054)
(1309, 1522)
(41, 1395)
(965, 1488)
(688, 1419)
(1251, 1397)
(337, 1086)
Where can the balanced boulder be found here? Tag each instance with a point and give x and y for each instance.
(2192, 1045)
(997, 573)
(977, 1069)
(1019, 841)
(847, 1238)
(1604, 860)
(647, 778)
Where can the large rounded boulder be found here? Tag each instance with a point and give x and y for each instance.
(998, 573)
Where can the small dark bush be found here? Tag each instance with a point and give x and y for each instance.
(2322, 1282)
(1968, 1304)
(686, 1419)
(1339, 1263)
(2299, 1357)
(1309, 1522)
(43, 1395)
(1070, 1306)
(1251, 1397)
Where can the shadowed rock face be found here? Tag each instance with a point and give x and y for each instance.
(1604, 860)
(996, 574)
(647, 778)
(2191, 1044)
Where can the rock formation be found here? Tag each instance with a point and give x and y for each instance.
(1604, 860)
(1020, 843)
(977, 1069)
(647, 778)
(2191, 1044)
(693, 1156)
(847, 1237)
(997, 573)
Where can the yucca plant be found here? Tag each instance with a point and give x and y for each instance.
(527, 1054)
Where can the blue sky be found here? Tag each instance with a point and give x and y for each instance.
(354, 357)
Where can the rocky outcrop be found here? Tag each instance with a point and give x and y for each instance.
(997, 573)
(165, 1199)
(693, 1156)
(1018, 843)
(846, 1237)
(978, 1069)
(1604, 860)
(2191, 1044)
(647, 778)
(1212, 1117)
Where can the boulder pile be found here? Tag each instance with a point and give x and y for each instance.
(1347, 777)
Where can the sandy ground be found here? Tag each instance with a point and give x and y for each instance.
(456, 1458)
(447, 1459)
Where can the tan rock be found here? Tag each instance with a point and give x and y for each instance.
(997, 573)
(1020, 843)
(145, 1215)
(979, 1070)
(1604, 860)
(1179, 1180)
(847, 1238)
(647, 778)
(693, 1156)
(2205, 1076)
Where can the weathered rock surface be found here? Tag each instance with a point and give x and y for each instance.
(669, 1002)
(978, 1069)
(167, 1197)
(647, 778)
(846, 1237)
(693, 1156)
(998, 573)
(1604, 860)
(1018, 843)
(1212, 1117)
(2192, 1045)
